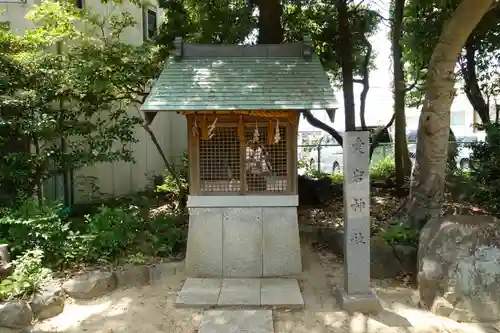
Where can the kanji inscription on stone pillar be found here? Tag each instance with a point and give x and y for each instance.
(356, 294)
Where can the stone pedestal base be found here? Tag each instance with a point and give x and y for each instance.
(364, 303)
(243, 236)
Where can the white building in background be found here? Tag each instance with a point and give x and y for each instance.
(113, 178)
(461, 118)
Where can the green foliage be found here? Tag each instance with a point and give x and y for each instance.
(397, 234)
(337, 178)
(108, 234)
(34, 226)
(71, 106)
(380, 170)
(485, 170)
(210, 22)
(181, 169)
(383, 169)
(420, 39)
(232, 22)
(27, 278)
(167, 233)
(112, 231)
(319, 19)
(459, 185)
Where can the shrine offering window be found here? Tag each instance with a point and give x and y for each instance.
(220, 161)
(243, 158)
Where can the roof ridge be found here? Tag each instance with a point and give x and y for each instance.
(301, 49)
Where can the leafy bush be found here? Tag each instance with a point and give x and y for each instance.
(459, 185)
(180, 171)
(111, 231)
(485, 170)
(40, 226)
(168, 233)
(383, 169)
(27, 278)
(337, 178)
(108, 234)
(397, 234)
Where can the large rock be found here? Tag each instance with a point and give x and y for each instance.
(459, 268)
(15, 314)
(6, 270)
(386, 261)
(313, 192)
(391, 261)
(48, 303)
(4, 253)
(6, 267)
(90, 285)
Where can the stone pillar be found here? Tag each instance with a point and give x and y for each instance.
(356, 294)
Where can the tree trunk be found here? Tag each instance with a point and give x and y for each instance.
(365, 81)
(168, 166)
(401, 154)
(471, 86)
(345, 46)
(270, 29)
(497, 111)
(427, 188)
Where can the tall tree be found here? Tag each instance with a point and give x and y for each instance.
(427, 187)
(477, 60)
(346, 62)
(270, 28)
(211, 22)
(401, 154)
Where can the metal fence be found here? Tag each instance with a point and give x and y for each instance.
(328, 158)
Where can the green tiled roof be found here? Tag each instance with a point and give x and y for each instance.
(241, 78)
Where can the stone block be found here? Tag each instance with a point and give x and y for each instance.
(132, 276)
(15, 314)
(90, 285)
(48, 302)
(162, 270)
(204, 244)
(4, 253)
(240, 292)
(364, 303)
(281, 243)
(198, 292)
(237, 321)
(281, 293)
(242, 242)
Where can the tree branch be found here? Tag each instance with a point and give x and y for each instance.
(472, 89)
(417, 78)
(379, 132)
(365, 81)
(322, 126)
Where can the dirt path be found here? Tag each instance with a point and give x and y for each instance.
(322, 314)
(148, 309)
(151, 309)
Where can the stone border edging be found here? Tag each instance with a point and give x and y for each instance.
(49, 302)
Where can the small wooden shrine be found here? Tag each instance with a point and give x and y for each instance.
(242, 106)
(242, 152)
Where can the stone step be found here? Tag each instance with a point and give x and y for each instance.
(237, 321)
(235, 292)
